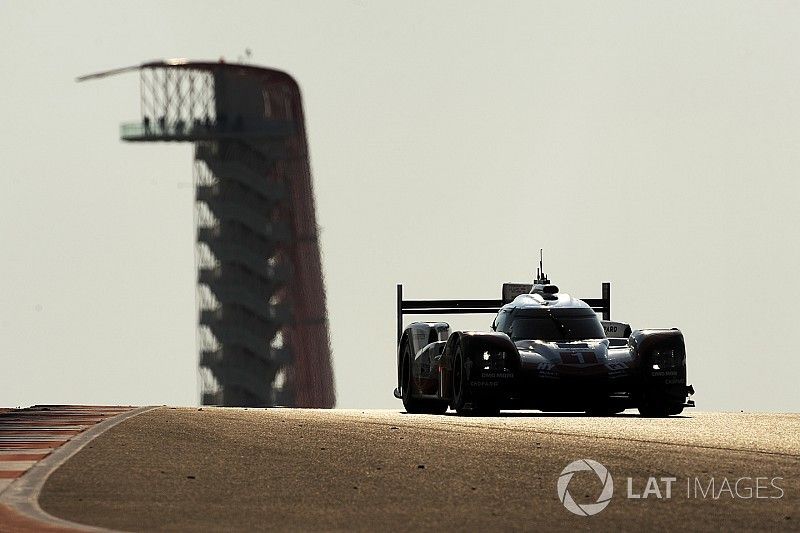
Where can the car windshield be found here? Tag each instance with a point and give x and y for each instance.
(551, 327)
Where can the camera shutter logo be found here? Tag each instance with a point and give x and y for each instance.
(586, 509)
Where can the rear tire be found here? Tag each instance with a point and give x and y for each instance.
(416, 405)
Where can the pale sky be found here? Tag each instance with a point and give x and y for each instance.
(652, 145)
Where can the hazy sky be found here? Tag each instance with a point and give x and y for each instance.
(653, 145)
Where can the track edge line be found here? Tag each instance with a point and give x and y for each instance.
(22, 496)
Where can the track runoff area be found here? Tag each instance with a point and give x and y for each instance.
(212, 469)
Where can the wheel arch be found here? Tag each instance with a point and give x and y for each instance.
(446, 364)
(472, 341)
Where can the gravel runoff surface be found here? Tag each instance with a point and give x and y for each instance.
(217, 469)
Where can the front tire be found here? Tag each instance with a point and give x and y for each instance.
(465, 402)
(655, 406)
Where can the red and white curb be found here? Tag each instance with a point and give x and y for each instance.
(34, 442)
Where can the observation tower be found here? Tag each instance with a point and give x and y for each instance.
(262, 326)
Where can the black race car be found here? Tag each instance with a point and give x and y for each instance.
(546, 351)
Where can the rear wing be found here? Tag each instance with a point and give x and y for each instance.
(461, 307)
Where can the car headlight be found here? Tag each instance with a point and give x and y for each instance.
(666, 358)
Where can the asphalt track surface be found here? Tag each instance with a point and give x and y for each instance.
(290, 469)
